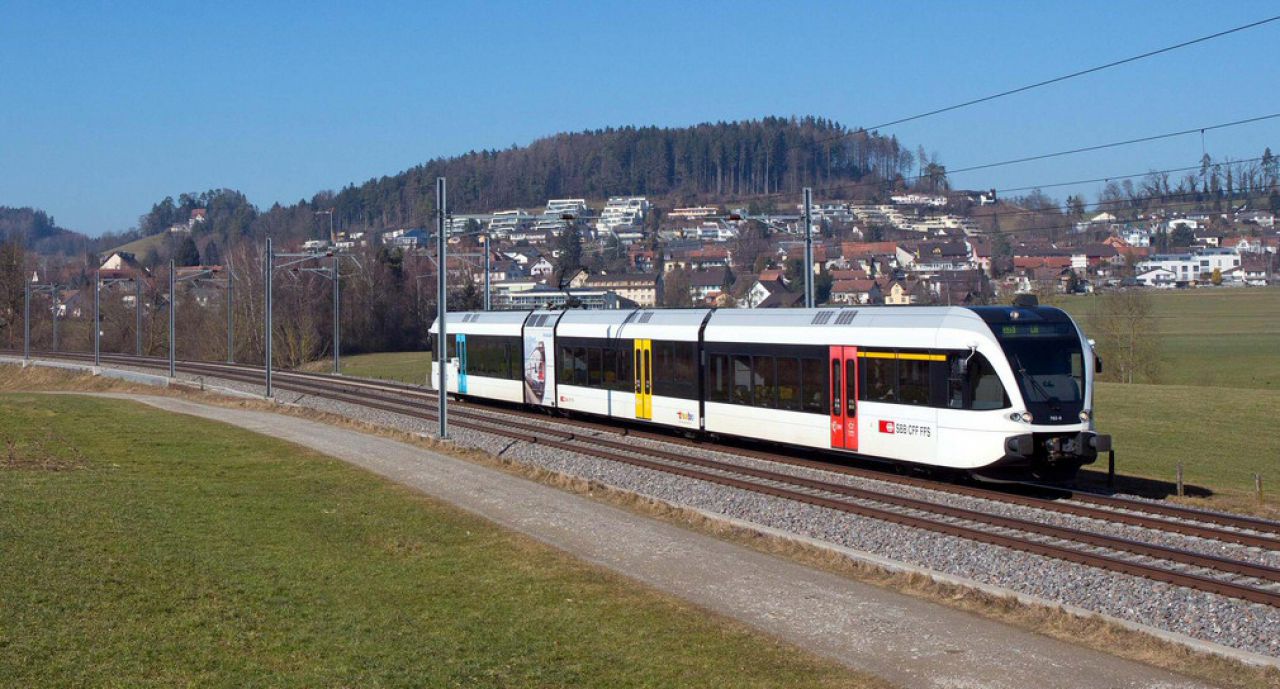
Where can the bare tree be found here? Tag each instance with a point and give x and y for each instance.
(1125, 330)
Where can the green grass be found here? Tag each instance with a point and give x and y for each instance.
(149, 549)
(1211, 337)
(404, 367)
(1221, 436)
(139, 247)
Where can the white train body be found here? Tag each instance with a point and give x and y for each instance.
(998, 391)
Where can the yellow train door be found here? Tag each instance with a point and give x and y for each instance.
(644, 378)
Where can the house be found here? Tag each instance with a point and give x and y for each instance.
(856, 291)
(644, 289)
(120, 265)
(623, 215)
(769, 291)
(541, 267)
(904, 291)
(1157, 277)
(932, 257)
(705, 285)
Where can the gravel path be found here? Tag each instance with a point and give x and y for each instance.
(1238, 624)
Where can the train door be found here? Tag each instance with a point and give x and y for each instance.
(462, 363)
(644, 378)
(843, 363)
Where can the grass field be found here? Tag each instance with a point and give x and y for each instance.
(150, 549)
(1211, 337)
(139, 247)
(1222, 436)
(405, 367)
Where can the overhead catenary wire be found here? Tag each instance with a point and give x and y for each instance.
(847, 186)
(1057, 79)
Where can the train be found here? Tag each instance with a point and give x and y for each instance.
(995, 392)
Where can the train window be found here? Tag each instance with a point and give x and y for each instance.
(741, 379)
(788, 383)
(451, 346)
(765, 379)
(851, 387)
(913, 382)
(813, 386)
(564, 367)
(836, 389)
(610, 366)
(685, 367)
(719, 385)
(978, 389)
(593, 366)
(881, 379)
(579, 365)
(626, 376)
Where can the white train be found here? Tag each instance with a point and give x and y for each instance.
(1000, 392)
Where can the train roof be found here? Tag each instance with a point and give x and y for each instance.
(483, 322)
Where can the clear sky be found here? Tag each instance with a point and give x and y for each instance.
(106, 108)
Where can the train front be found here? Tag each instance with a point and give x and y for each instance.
(1053, 366)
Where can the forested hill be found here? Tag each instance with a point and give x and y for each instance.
(706, 163)
(702, 164)
(36, 230)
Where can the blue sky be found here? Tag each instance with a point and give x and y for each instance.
(109, 107)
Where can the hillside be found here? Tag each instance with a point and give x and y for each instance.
(706, 163)
(38, 231)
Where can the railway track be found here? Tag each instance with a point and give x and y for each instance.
(1236, 578)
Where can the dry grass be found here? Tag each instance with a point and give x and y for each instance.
(1092, 632)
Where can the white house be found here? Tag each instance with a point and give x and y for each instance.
(1158, 277)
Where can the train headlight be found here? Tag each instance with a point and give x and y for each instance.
(1024, 416)
(1084, 416)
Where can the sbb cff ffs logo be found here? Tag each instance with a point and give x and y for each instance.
(887, 427)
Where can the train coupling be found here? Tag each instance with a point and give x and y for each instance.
(1084, 445)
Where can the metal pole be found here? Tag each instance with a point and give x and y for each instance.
(337, 312)
(442, 299)
(97, 323)
(808, 248)
(487, 304)
(269, 269)
(137, 311)
(231, 324)
(26, 320)
(54, 292)
(1111, 468)
(173, 311)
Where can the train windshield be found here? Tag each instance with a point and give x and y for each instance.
(1049, 364)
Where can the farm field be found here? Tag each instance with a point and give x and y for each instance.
(1210, 337)
(143, 548)
(1221, 437)
(403, 367)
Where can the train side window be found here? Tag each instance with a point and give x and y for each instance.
(986, 391)
(788, 383)
(579, 365)
(881, 379)
(719, 381)
(451, 346)
(593, 366)
(813, 386)
(913, 382)
(850, 387)
(626, 374)
(565, 368)
(741, 379)
(610, 363)
(979, 388)
(765, 381)
(836, 388)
